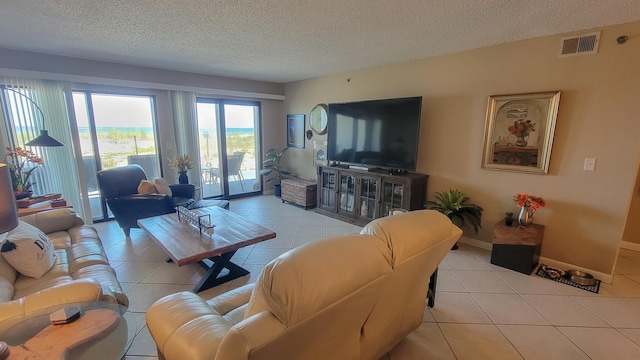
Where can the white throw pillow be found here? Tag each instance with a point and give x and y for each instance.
(162, 186)
(28, 250)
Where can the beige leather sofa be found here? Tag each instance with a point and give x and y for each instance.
(348, 297)
(81, 271)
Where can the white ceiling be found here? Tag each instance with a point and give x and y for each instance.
(288, 40)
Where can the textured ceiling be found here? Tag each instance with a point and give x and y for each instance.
(288, 40)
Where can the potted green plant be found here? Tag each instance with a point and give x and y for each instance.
(452, 203)
(271, 165)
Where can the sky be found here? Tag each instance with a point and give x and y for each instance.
(136, 111)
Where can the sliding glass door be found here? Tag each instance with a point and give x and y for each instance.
(229, 143)
(114, 130)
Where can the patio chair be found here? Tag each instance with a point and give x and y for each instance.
(234, 162)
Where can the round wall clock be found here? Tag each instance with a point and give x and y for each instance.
(318, 119)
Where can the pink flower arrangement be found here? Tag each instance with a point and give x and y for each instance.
(20, 171)
(531, 201)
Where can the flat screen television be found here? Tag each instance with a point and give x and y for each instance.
(375, 133)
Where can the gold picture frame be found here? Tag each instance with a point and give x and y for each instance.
(518, 132)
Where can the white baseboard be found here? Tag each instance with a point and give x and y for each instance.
(629, 246)
(476, 243)
(608, 278)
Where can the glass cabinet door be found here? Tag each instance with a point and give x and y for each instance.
(392, 197)
(328, 190)
(347, 194)
(368, 198)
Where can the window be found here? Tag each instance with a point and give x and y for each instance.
(114, 130)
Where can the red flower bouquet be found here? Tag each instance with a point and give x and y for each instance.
(530, 201)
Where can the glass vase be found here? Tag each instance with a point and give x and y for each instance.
(521, 141)
(525, 218)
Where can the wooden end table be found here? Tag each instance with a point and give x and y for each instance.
(517, 247)
(186, 245)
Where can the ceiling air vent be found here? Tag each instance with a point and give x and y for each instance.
(579, 44)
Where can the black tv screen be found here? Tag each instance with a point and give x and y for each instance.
(375, 133)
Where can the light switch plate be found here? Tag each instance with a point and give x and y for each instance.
(589, 164)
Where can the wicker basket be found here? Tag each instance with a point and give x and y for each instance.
(299, 191)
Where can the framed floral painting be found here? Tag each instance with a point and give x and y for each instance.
(518, 132)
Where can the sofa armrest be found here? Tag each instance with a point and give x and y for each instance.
(140, 202)
(251, 333)
(53, 220)
(177, 323)
(183, 190)
(231, 300)
(139, 206)
(76, 291)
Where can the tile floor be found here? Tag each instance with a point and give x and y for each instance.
(482, 311)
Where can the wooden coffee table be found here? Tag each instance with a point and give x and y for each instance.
(185, 244)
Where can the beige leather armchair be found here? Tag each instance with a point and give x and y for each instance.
(348, 297)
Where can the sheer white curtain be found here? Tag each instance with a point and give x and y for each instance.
(185, 124)
(22, 123)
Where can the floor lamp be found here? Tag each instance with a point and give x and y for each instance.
(43, 139)
(8, 208)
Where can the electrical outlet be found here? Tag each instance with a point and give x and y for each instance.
(589, 164)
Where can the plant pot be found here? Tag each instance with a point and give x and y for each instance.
(24, 194)
(277, 190)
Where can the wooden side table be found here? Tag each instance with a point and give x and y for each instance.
(517, 248)
(39, 207)
(63, 341)
(101, 333)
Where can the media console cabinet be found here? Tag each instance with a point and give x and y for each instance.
(358, 196)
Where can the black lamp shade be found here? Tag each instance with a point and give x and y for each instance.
(44, 140)
(8, 209)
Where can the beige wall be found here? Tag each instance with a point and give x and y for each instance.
(56, 67)
(631, 235)
(598, 117)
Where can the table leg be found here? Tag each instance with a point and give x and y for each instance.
(431, 294)
(219, 263)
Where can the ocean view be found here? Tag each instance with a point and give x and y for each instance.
(149, 130)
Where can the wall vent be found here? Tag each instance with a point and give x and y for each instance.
(579, 44)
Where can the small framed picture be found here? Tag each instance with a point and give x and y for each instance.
(295, 130)
(320, 153)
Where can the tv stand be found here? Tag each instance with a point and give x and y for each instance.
(358, 196)
(361, 167)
